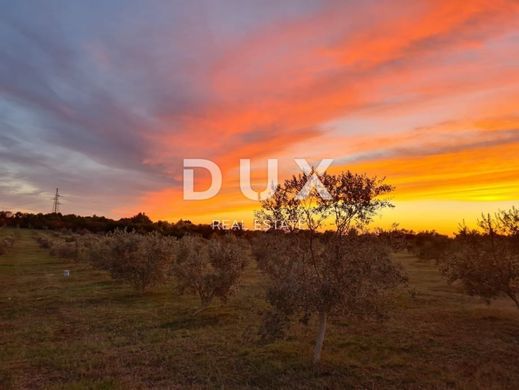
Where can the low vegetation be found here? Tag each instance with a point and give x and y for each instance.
(486, 259)
(6, 243)
(429, 245)
(90, 331)
(144, 261)
(209, 268)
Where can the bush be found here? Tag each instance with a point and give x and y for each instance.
(142, 260)
(485, 261)
(209, 268)
(90, 248)
(65, 249)
(43, 241)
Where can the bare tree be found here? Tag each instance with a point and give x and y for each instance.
(486, 259)
(338, 272)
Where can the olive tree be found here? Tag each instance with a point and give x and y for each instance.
(65, 249)
(209, 268)
(143, 260)
(486, 259)
(323, 274)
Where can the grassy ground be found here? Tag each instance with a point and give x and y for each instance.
(88, 331)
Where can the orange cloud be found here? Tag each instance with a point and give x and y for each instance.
(430, 86)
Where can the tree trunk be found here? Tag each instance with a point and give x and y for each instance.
(320, 337)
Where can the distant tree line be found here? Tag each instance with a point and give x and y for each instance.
(139, 223)
(398, 239)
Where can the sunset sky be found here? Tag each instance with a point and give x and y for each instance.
(105, 101)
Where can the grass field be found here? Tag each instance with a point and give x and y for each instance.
(88, 331)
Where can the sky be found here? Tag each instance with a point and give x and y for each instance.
(105, 100)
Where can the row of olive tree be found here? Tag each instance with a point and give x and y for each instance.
(143, 260)
(209, 268)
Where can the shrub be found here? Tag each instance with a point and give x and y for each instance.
(209, 268)
(43, 241)
(484, 260)
(65, 249)
(142, 260)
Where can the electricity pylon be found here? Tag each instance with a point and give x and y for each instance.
(55, 206)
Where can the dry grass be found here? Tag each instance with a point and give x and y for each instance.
(88, 331)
